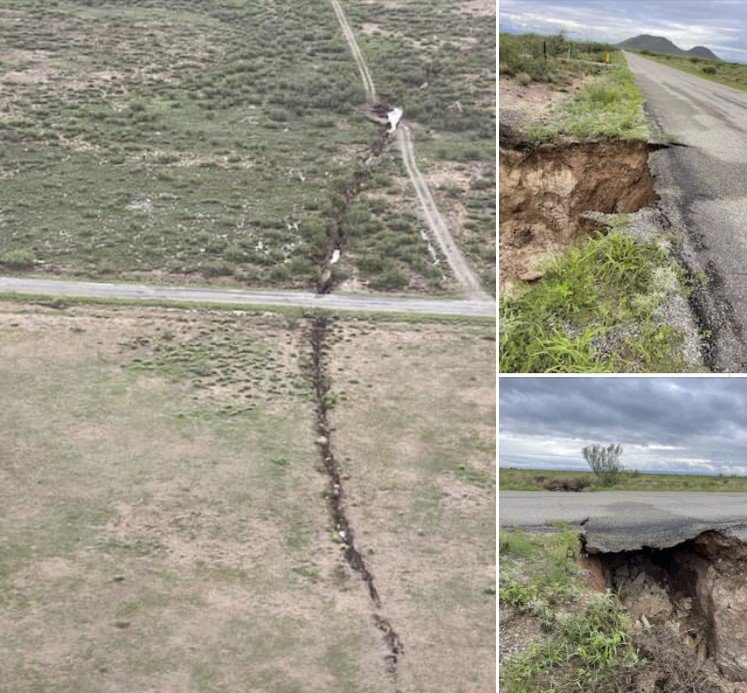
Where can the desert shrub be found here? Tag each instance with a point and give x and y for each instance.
(604, 461)
(574, 483)
(18, 259)
(523, 78)
(709, 70)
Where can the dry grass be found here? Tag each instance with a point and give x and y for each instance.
(414, 428)
(149, 540)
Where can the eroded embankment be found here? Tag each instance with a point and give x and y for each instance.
(696, 590)
(544, 191)
(336, 494)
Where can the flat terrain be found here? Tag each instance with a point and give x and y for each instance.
(729, 74)
(703, 187)
(533, 480)
(165, 526)
(216, 142)
(623, 521)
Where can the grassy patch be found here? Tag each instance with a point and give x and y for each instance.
(729, 74)
(190, 543)
(553, 59)
(533, 480)
(595, 310)
(609, 107)
(587, 644)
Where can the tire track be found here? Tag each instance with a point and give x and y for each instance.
(347, 31)
(459, 265)
(463, 273)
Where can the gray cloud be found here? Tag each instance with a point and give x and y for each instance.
(683, 424)
(719, 24)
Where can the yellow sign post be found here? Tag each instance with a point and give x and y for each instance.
(607, 57)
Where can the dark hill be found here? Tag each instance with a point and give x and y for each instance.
(659, 44)
(703, 52)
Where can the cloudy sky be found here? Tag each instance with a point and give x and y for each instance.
(721, 25)
(696, 425)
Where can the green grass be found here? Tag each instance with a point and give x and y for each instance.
(435, 59)
(595, 310)
(192, 140)
(729, 74)
(510, 479)
(586, 645)
(609, 107)
(552, 59)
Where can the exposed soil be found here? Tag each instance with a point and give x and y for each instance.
(523, 105)
(545, 191)
(696, 590)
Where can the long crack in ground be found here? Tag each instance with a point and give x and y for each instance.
(336, 495)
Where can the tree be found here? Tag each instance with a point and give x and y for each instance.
(604, 461)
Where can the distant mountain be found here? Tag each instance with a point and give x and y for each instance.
(659, 44)
(703, 52)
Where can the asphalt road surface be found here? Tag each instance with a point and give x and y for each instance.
(703, 187)
(628, 520)
(298, 299)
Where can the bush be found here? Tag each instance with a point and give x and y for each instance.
(709, 70)
(523, 79)
(576, 483)
(604, 462)
(18, 259)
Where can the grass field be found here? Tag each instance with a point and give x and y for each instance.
(511, 479)
(195, 141)
(165, 526)
(730, 74)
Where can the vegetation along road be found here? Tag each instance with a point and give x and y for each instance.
(703, 186)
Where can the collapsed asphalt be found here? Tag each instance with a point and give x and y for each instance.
(616, 521)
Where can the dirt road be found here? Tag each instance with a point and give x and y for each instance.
(433, 218)
(437, 224)
(347, 32)
(298, 299)
(703, 189)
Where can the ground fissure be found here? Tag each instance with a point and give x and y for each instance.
(342, 528)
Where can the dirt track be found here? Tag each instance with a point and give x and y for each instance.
(433, 218)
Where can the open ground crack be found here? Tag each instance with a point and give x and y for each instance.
(336, 494)
(342, 199)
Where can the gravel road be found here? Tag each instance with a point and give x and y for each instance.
(703, 186)
(628, 520)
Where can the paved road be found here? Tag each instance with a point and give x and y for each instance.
(704, 189)
(299, 299)
(628, 520)
(435, 221)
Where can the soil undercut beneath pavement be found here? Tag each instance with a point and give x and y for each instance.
(697, 590)
(544, 192)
